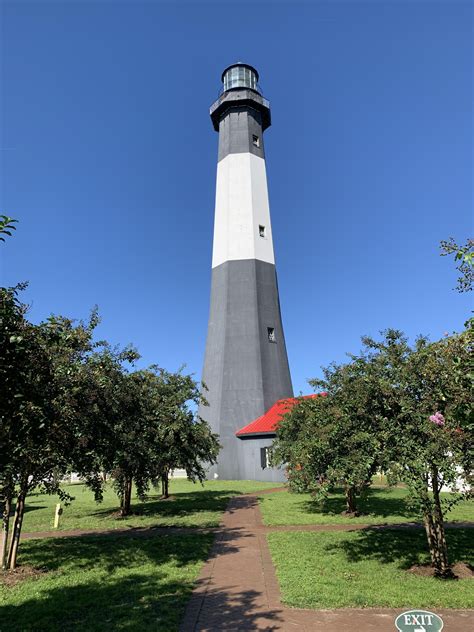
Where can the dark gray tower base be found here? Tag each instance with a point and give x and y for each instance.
(245, 371)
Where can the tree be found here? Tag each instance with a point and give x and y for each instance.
(131, 460)
(464, 256)
(331, 441)
(423, 412)
(11, 377)
(182, 438)
(113, 438)
(40, 420)
(405, 408)
(143, 427)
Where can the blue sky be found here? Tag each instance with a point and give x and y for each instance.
(108, 160)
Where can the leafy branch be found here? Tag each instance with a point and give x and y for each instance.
(464, 256)
(6, 226)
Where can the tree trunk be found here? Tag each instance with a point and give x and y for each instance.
(165, 485)
(434, 527)
(7, 506)
(17, 523)
(438, 552)
(104, 476)
(351, 506)
(126, 498)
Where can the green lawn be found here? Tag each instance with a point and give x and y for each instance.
(109, 583)
(114, 583)
(381, 505)
(367, 569)
(191, 505)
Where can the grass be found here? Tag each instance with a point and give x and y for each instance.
(381, 505)
(108, 582)
(367, 569)
(191, 505)
(104, 583)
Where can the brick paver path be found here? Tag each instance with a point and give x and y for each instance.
(238, 590)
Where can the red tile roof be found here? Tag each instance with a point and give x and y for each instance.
(267, 423)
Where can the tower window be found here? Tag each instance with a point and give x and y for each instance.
(265, 457)
(271, 334)
(261, 231)
(256, 140)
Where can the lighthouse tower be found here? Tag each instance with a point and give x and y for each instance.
(246, 365)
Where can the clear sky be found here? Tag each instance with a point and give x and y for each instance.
(108, 160)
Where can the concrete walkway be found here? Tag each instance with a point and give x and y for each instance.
(237, 589)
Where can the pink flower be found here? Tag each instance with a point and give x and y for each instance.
(438, 419)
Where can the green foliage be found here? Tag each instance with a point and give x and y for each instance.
(413, 386)
(6, 226)
(40, 421)
(142, 426)
(464, 257)
(329, 441)
(71, 404)
(178, 437)
(40, 413)
(421, 411)
(405, 409)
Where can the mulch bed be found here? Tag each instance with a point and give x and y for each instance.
(460, 570)
(20, 574)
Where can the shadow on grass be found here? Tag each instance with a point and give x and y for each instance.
(28, 509)
(134, 604)
(181, 504)
(111, 552)
(126, 603)
(97, 583)
(405, 547)
(375, 502)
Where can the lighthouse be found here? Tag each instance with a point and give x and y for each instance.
(246, 367)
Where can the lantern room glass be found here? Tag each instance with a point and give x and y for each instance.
(240, 77)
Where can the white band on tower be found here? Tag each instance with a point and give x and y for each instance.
(242, 227)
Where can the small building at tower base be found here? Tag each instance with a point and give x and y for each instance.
(257, 439)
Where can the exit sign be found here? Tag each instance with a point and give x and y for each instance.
(419, 621)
